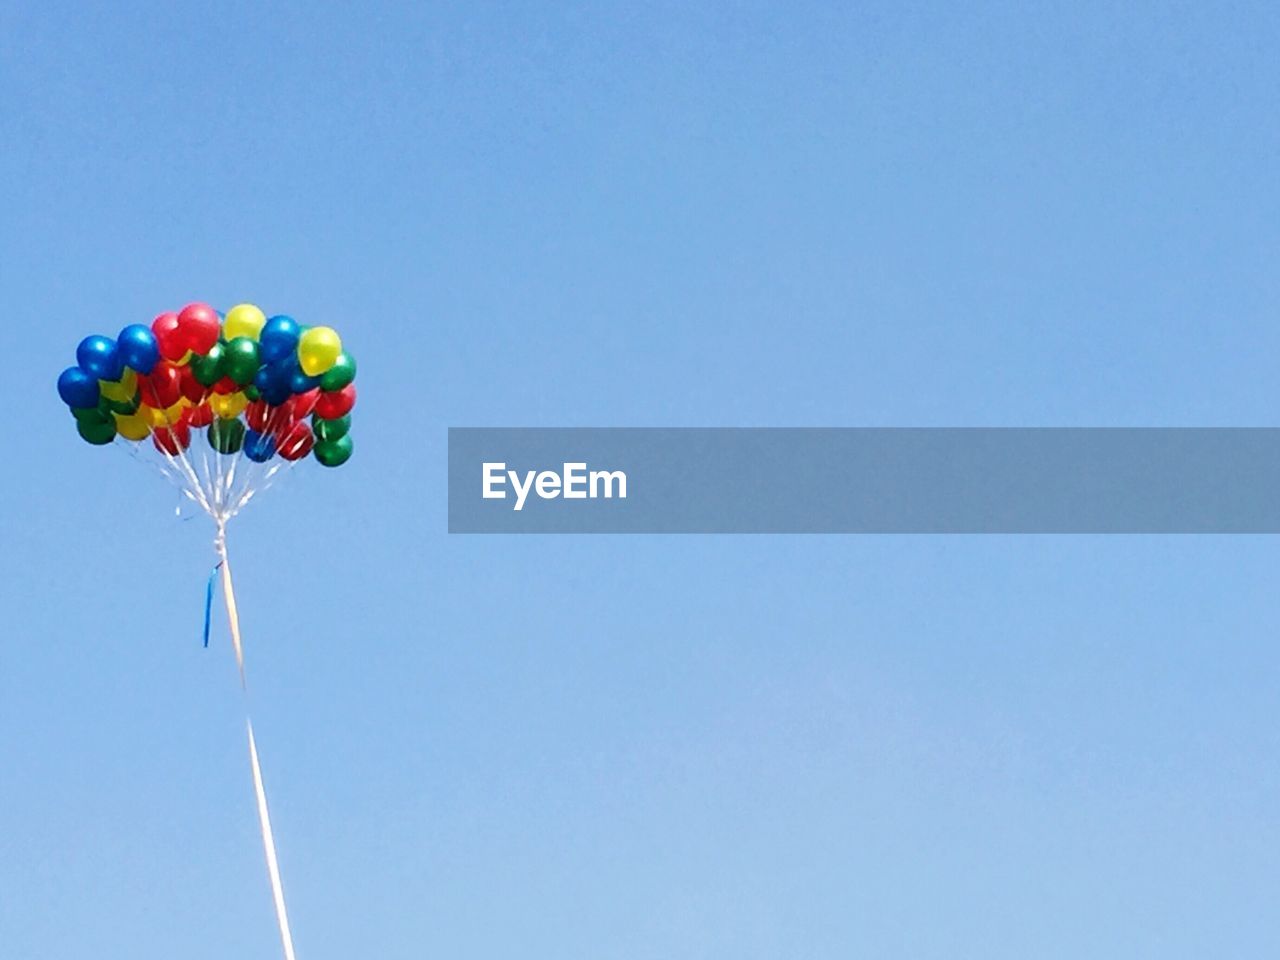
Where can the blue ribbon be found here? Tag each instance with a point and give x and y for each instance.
(208, 603)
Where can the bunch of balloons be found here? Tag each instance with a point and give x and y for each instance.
(259, 387)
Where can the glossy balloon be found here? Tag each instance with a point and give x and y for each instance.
(331, 406)
(139, 348)
(340, 374)
(133, 428)
(259, 447)
(99, 357)
(331, 429)
(242, 360)
(172, 440)
(163, 388)
(78, 389)
(200, 415)
(226, 436)
(318, 350)
(228, 406)
(198, 327)
(279, 338)
(295, 442)
(334, 453)
(208, 368)
(243, 320)
(99, 434)
(173, 347)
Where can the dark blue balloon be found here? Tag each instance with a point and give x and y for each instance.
(99, 357)
(275, 394)
(259, 447)
(138, 348)
(78, 389)
(299, 382)
(278, 339)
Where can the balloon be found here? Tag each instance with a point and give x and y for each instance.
(243, 320)
(259, 447)
(334, 453)
(226, 436)
(198, 327)
(242, 360)
(331, 429)
(161, 416)
(191, 387)
(279, 338)
(295, 442)
(228, 405)
(208, 369)
(124, 407)
(332, 406)
(200, 415)
(173, 347)
(78, 389)
(172, 440)
(302, 405)
(252, 392)
(92, 415)
(340, 374)
(226, 385)
(299, 382)
(122, 389)
(265, 418)
(99, 434)
(133, 427)
(163, 388)
(318, 350)
(138, 347)
(99, 357)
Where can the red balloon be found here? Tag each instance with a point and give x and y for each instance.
(295, 442)
(198, 326)
(200, 416)
(192, 388)
(331, 406)
(173, 346)
(301, 404)
(172, 440)
(163, 388)
(226, 385)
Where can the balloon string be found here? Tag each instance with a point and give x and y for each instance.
(264, 816)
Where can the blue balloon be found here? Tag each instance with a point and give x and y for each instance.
(278, 339)
(138, 348)
(275, 394)
(259, 447)
(99, 357)
(78, 390)
(299, 382)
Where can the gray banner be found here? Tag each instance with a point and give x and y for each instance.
(863, 480)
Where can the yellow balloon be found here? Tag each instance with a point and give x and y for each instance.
(120, 390)
(133, 427)
(228, 406)
(243, 320)
(318, 350)
(161, 418)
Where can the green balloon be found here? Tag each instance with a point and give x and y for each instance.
(125, 408)
(334, 453)
(208, 369)
(331, 429)
(241, 360)
(99, 434)
(340, 374)
(92, 416)
(252, 393)
(226, 436)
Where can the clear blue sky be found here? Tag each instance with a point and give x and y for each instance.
(642, 748)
